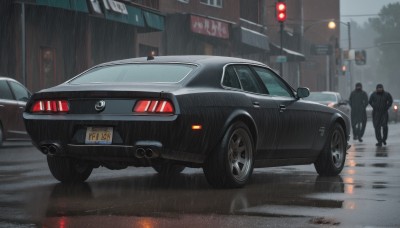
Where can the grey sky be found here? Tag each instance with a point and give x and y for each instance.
(361, 7)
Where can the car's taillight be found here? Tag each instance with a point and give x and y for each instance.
(395, 107)
(153, 106)
(53, 106)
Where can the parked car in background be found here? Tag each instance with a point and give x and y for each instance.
(394, 111)
(330, 99)
(225, 115)
(13, 98)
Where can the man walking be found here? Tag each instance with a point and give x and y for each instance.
(358, 103)
(381, 102)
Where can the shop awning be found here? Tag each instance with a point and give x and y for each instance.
(154, 21)
(252, 38)
(75, 5)
(113, 10)
(292, 56)
(134, 16)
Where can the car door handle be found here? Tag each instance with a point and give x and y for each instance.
(282, 108)
(256, 104)
(21, 107)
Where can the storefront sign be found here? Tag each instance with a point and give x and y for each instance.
(117, 7)
(209, 27)
(95, 4)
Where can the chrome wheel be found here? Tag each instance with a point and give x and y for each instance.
(337, 149)
(230, 165)
(331, 159)
(240, 154)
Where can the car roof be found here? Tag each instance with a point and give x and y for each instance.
(189, 59)
(9, 79)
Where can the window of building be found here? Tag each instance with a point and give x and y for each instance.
(250, 10)
(184, 1)
(215, 3)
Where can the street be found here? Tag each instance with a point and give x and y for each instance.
(366, 194)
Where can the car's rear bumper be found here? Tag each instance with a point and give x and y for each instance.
(167, 137)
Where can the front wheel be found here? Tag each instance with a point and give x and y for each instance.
(331, 160)
(231, 164)
(68, 170)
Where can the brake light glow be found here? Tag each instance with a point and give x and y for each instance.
(395, 107)
(53, 106)
(153, 106)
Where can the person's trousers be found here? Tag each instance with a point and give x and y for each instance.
(359, 128)
(381, 126)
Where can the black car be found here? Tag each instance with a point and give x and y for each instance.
(225, 115)
(13, 98)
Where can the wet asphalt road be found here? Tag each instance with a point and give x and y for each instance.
(366, 194)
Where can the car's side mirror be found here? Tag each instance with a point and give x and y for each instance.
(343, 102)
(303, 92)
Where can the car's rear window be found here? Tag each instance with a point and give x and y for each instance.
(136, 73)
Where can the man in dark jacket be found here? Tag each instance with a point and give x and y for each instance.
(358, 103)
(381, 102)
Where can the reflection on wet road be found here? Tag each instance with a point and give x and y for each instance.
(366, 194)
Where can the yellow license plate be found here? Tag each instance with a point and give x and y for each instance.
(99, 135)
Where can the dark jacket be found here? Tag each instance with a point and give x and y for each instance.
(381, 103)
(358, 102)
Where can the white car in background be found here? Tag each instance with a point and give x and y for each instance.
(330, 99)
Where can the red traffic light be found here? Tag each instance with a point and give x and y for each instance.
(281, 11)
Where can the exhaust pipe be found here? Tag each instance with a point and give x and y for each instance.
(140, 153)
(44, 149)
(149, 153)
(53, 149)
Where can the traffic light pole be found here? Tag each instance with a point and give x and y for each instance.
(281, 49)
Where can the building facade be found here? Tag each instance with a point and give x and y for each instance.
(45, 42)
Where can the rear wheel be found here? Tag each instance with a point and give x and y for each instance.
(165, 167)
(231, 164)
(68, 170)
(331, 160)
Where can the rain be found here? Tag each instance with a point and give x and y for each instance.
(83, 50)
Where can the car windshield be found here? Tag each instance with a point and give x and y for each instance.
(321, 97)
(135, 73)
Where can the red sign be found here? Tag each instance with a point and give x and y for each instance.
(209, 27)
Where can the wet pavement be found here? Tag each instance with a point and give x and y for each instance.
(366, 194)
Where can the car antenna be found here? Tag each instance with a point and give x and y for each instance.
(150, 56)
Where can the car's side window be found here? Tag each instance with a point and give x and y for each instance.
(247, 79)
(20, 92)
(230, 78)
(274, 85)
(5, 92)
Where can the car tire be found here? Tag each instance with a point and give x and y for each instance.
(230, 165)
(68, 170)
(167, 168)
(331, 160)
